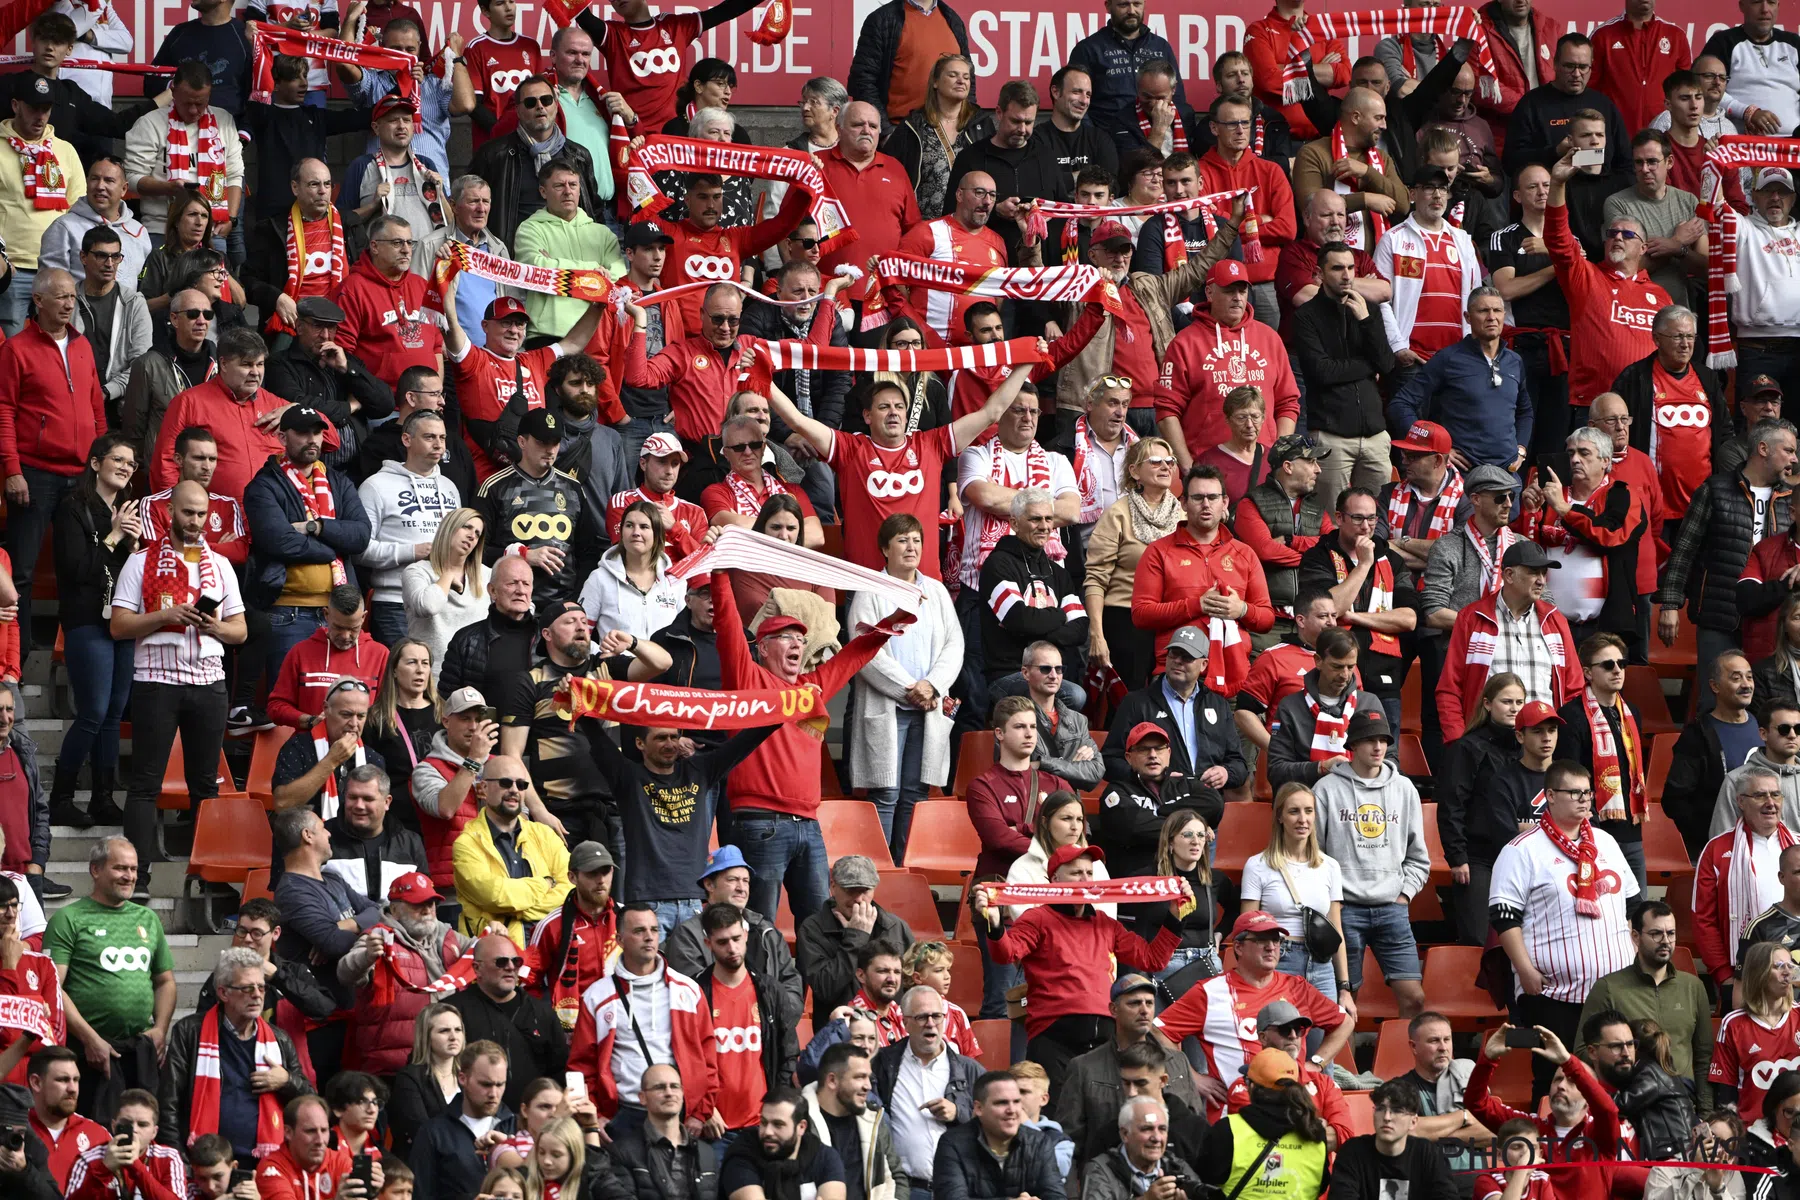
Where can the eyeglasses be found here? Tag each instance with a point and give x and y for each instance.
(506, 784)
(1048, 669)
(1115, 381)
(725, 319)
(1607, 664)
(1720, 76)
(545, 101)
(1615, 1047)
(1206, 498)
(106, 258)
(403, 243)
(506, 964)
(755, 447)
(1618, 422)
(929, 1018)
(1232, 124)
(194, 314)
(1361, 518)
(1760, 796)
(245, 988)
(1627, 234)
(423, 392)
(1676, 337)
(1577, 793)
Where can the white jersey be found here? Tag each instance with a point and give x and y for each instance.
(1570, 950)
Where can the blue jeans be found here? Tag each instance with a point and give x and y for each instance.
(670, 913)
(26, 525)
(637, 431)
(780, 849)
(995, 979)
(100, 671)
(15, 304)
(289, 625)
(387, 624)
(1294, 961)
(1387, 929)
(895, 804)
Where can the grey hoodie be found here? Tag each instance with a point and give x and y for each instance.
(61, 243)
(1375, 828)
(404, 509)
(426, 782)
(1725, 809)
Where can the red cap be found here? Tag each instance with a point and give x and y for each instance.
(1142, 730)
(1110, 231)
(1425, 437)
(1256, 921)
(778, 624)
(1227, 272)
(1536, 713)
(391, 102)
(1064, 855)
(504, 307)
(414, 887)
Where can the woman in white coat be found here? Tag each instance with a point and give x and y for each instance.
(631, 590)
(900, 736)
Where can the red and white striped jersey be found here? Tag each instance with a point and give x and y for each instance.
(1222, 1011)
(224, 517)
(1572, 951)
(947, 240)
(1748, 1055)
(1432, 274)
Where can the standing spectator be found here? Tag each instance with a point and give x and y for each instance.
(369, 848)
(1650, 988)
(407, 504)
(1763, 63)
(24, 809)
(103, 206)
(1763, 313)
(1088, 1095)
(1494, 751)
(488, 653)
(1780, 743)
(1199, 377)
(537, 512)
(726, 880)
(1633, 53)
(1348, 160)
(926, 140)
(756, 1047)
(1613, 753)
(509, 868)
(1233, 164)
(1729, 514)
(1382, 867)
(1463, 567)
(497, 1009)
(1675, 239)
(31, 200)
(695, 373)
(1676, 410)
(1595, 529)
(97, 528)
(190, 143)
(317, 372)
(1147, 509)
(1222, 581)
(1531, 639)
(1490, 424)
(1283, 518)
(631, 589)
(1738, 875)
(1113, 55)
(1711, 745)
(1780, 922)
(471, 203)
(1542, 909)
(1371, 588)
(178, 659)
(1519, 264)
(180, 358)
(559, 234)
(1542, 125)
(1308, 728)
(571, 948)
(383, 303)
(892, 47)
(449, 1157)
(1426, 316)
(1293, 853)
(1132, 811)
(1028, 597)
(1022, 167)
(1078, 143)
(1323, 220)
(49, 420)
(832, 941)
(1240, 458)
(1342, 349)
(118, 979)
(703, 241)
(113, 318)
(1292, 70)
(1001, 804)
(1280, 671)
(428, 1082)
(965, 233)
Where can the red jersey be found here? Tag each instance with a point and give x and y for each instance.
(385, 323)
(485, 383)
(496, 69)
(737, 494)
(160, 1174)
(315, 271)
(1630, 65)
(1680, 435)
(78, 1136)
(35, 978)
(947, 240)
(643, 64)
(1748, 1055)
(737, 1033)
(1277, 673)
(1222, 1011)
(592, 946)
(687, 520)
(1609, 314)
(1438, 318)
(959, 1031)
(717, 254)
(875, 483)
(225, 529)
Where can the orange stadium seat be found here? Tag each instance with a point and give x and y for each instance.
(231, 839)
(1677, 661)
(1450, 987)
(1412, 757)
(1662, 757)
(853, 827)
(965, 976)
(908, 896)
(830, 786)
(996, 1043)
(784, 921)
(1393, 1050)
(1434, 846)
(260, 782)
(1243, 833)
(256, 885)
(1643, 689)
(1375, 999)
(1665, 854)
(1410, 709)
(974, 755)
(942, 845)
(1362, 1112)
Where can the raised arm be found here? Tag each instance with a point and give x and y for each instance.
(964, 430)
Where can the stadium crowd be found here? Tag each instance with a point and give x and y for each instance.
(1312, 567)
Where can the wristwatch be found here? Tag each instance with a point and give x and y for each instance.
(471, 766)
(312, 528)
(1316, 1061)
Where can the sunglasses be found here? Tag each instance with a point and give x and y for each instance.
(1049, 669)
(1787, 730)
(506, 963)
(1607, 664)
(345, 685)
(194, 314)
(725, 319)
(537, 101)
(514, 785)
(1627, 234)
(755, 447)
(805, 243)
(1115, 381)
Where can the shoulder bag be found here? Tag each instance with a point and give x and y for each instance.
(1322, 938)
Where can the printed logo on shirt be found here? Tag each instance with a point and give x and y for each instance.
(739, 1041)
(1408, 267)
(708, 266)
(1763, 1073)
(1632, 318)
(125, 958)
(891, 485)
(503, 83)
(656, 62)
(318, 262)
(1371, 820)
(1683, 416)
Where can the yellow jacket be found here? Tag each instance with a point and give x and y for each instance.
(21, 224)
(488, 893)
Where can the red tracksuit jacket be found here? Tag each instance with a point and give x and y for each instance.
(1471, 658)
(310, 669)
(1274, 203)
(1172, 576)
(690, 1036)
(50, 412)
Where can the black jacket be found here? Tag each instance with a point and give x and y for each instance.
(507, 164)
(85, 568)
(284, 136)
(265, 252)
(824, 391)
(383, 445)
(1460, 804)
(1634, 386)
(176, 1092)
(1108, 1177)
(413, 1100)
(466, 657)
(1218, 736)
(530, 1033)
(643, 1172)
(549, 511)
(444, 1162)
(1408, 114)
(1576, 741)
(1710, 550)
(271, 505)
(295, 375)
(872, 69)
(34, 1182)
(1340, 359)
(1112, 63)
(1048, 611)
(1660, 1107)
(1697, 771)
(94, 129)
(1542, 119)
(1029, 172)
(293, 982)
(826, 950)
(960, 1090)
(1129, 824)
(1773, 679)
(964, 1168)
(780, 1036)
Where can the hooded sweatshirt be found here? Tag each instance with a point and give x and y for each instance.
(1375, 828)
(1725, 811)
(61, 247)
(404, 509)
(385, 323)
(1207, 360)
(312, 666)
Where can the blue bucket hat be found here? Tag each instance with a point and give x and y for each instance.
(723, 859)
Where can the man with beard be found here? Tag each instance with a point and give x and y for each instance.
(784, 1156)
(702, 249)
(1232, 164)
(497, 1008)
(1270, 138)
(1349, 160)
(1660, 1109)
(450, 1155)
(535, 728)
(963, 235)
(1224, 348)
(1341, 351)
(1651, 988)
(1023, 167)
(416, 948)
(1534, 641)
(53, 1077)
(660, 459)
(534, 510)
(508, 869)
(180, 357)
(1076, 142)
(756, 1046)
(571, 948)
(1112, 56)
(838, 1111)
(726, 880)
(592, 449)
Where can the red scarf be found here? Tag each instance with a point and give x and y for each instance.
(166, 581)
(1176, 131)
(45, 184)
(1443, 517)
(276, 39)
(744, 498)
(1410, 59)
(1377, 223)
(203, 1109)
(1732, 153)
(1585, 852)
(328, 795)
(203, 165)
(1174, 243)
(387, 983)
(1138, 889)
(1329, 732)
(888, 1020)
(1381, 598)
(296, 258)
(1610, 783)
(315, 493)
(1490, 563)
(1085, 457)
(1447, 23)
(794, 167)
(777, 22)
(427, 185)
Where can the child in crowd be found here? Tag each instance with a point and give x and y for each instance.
(929, 963)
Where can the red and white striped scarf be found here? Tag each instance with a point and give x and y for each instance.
(1490, 563)
(1071, 283)
(1448, 24)
(45, 184)
(1037, 475)
(1742, 903)
(1618, 770)
(296, 259)
(166, 580)
(1735, 152)
(328, 795)
(888, 1021)
(202, 164)
(744, 499)
(1443, 517)
(1584, 852)
(387, 981)
(1211, 206)
(1329, 733)
(1381, 598)
(315, 493)
(203, 1108)
(1353, 232)
(1086, 458)
(1177, 131)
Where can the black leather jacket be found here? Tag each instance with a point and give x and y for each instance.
(1661, 1108)
(643, 1170)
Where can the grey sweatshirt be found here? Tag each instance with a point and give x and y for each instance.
(1725, 809)
(404, 509)
(1375, 828)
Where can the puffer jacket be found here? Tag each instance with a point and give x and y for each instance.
(1725, 809)
(1714, 544)
(381, 1038)
(466, 659)
(964, 1168)
(883, 1177)
(487, 892)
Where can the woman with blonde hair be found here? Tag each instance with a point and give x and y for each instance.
(1765, 997)
(928, 140)
(1148, 509)
(405, 714)
(1778, 675)
(1183, 850)
(448, 589)
(1061, 821)
(1293, 877)
(427, 1084)
(560, 1167)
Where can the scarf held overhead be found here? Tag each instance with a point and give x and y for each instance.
(1732, 153)
(1075, 282)
(795, 167)
(1135, 890)
(1448, 23)
(1212, 206)
(777, 19)
(276, 39)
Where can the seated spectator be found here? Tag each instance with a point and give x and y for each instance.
(829, 940)
(1132, 812)
(748, 1021)
(880, 979)
(1721, 1130)
(426, 1085)
(1580, 1106)
(25, 972)
(215, 1175)
(1144, 1153)
(783, 1150)
(1739, 1071)
(404, 719)
(228, 1070)
(1438, 1078)
(838, 1110)
(1027, 596)
(1147, 510)
(450, 1152)
(656, 1178)
(1089, 1093)
(412, 949)
(491, 849)
(984, 1155)
(1365, 1163)
(726, 880)
(1281, 1026)
(53, 1077)
(338, 648)
(1307, 731)
(1780, 922)
(316, 905)
(932, 964)
(1281, 1112)
(1778, 721)
(312, 768)
(1202, 742)
(307, 1164)
(356, 1101)
(1061, 821)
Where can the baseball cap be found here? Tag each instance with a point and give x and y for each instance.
(1425, 437)
(856, 872)
(31, 88)
(1228, 273)
(320, 310)
(300, 419)
(1143, 730)
(1062, 856)
(550, 611)
(505, 308)
(590, 856)
(1290, 446)
(540, 425)
(1759, 385)
(723, 859)
(661, 445)
(1536, 713)
(1529, 555)
(1124, 985)
(1426, 175)
(1109, 231)
(462, 700)
(1279, 1014)
(1365, 725)
(1256, 921)
(779, 623)
(699, 583)
(1775, 177)
(1190, 640)
(391, 102)
(414, 887)
(646, 233)
(1491, 479)
(1271, 1067)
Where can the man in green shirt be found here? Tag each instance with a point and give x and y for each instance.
(585, 122)
(117, 974)
(1652, 987)
(561, 234)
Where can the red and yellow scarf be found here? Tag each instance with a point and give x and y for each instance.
(314, 486)
(1618, 769)
(296, 259)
